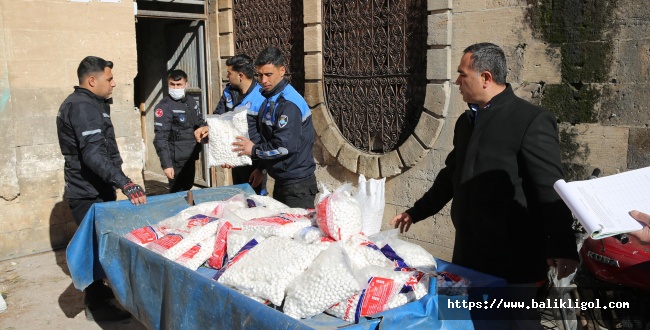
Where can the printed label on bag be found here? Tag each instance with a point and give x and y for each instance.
(392, 256)
(278, 221)
(191, 252)
(251, 244)
(168, 241)
(216, 261)
(199, 220)
(145, 235)
(376, 296)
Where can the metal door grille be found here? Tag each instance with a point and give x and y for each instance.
(279, 23)
(374, 66)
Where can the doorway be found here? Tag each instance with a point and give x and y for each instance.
(164, 43)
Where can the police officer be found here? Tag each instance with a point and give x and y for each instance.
(92, 162)
(175, 119)
(286, 135)
(243, 91)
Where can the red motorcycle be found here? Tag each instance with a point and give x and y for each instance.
(614, 269)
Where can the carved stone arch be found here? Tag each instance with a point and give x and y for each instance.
(354, 61)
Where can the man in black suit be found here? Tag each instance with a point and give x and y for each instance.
(509, 220)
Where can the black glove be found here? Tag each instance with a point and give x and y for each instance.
(133, 191)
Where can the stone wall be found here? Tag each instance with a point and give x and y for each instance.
(599, 99)
(41, 45)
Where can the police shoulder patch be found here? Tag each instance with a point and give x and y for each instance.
(283, 121)
(159, 112)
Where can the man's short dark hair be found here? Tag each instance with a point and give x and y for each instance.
(90, 65)
(270, 55)
(177, 75)
(242, 63)
(488, 57)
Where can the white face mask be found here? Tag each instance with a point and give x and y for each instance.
(177, 93)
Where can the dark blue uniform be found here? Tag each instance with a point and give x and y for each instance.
(286, 142)
(174, 125)
(232, 99)
(92, 167)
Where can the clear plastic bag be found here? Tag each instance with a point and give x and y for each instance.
(339, 214)
(328, 280)
(403, 253)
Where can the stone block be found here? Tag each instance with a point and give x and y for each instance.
(32, 160)
(314, 93)
(541, 63)
(46, 100)
(313, 38)
(390, 164)
(631, 64)
(348, 157)
(314, 66)
(227, 45)
(224, 4)
(321, 119)
(312, 11)
(35, 130)
(24, 216)
(411, 151)
(439, 64)
(606, 146)
(22, 73)
(439, 29)
(623, 104)
(638, 149)
(42, 184)
(461, 6)
(9, 189)
(428, 129)
(436, 98)
(225, 21)
(126, 123)
(131, 151)
(439, 5)
(28, 15)
(332, 141)
(369, 166)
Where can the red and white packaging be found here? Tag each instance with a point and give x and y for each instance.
(339, 215)
(282, 225)
(145, 235)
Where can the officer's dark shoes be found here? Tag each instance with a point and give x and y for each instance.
(105, 311)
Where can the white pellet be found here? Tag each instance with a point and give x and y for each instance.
(222, 132)
(267, 269)
(328, 280)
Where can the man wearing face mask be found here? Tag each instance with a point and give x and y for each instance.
(175, 119)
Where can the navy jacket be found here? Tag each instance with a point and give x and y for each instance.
(87, 141)
(174, 126)
(286, 135)
(500, 175)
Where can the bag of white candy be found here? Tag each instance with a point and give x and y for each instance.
(282, 224)
(222, 132)
(226, 224)
(382, 286)
(328, 280)
(339, 214)
(363, 252)
(403, 253)
(174, 244)
(266, 270)
(198, 254)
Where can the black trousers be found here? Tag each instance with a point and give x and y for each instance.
(299, 194)
(242, 174)
(96, 292)
(183, 177)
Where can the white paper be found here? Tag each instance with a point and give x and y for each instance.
(602, 205)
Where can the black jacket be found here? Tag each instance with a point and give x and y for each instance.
(174, 125)
(500, 175)
(87, 141)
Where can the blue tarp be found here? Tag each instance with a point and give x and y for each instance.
(165, 295)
